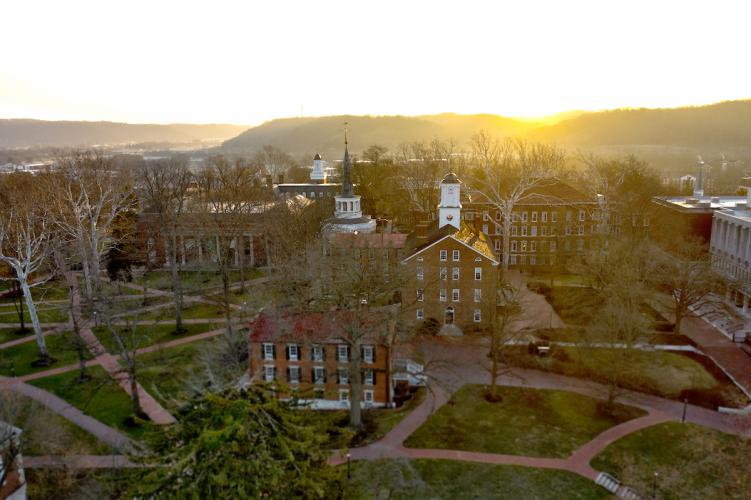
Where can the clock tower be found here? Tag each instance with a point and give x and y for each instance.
(450, 207)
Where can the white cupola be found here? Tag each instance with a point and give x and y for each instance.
(318, 174)
(450, 207)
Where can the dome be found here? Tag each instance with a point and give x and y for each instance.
(450, 179)
(316, 157)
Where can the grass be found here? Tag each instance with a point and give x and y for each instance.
(148, 334)
(665, 374)
(46, 432)
(195, 311)
(21, 356)
(164, 373)
(8, 334)
(47, 314)
(533, 422)
(691, 462)
(446, 479)
(195, 281)
(99, 397)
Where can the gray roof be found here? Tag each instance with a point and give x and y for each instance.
(450, 179)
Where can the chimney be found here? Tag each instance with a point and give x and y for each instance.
(269, 181)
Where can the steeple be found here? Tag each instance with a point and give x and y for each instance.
(346, 174)
(699, 183)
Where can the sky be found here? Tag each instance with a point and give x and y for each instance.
(246, 62)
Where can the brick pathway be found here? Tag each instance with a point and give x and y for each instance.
(107, 434)
(31, 337)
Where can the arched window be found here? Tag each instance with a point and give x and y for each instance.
(449, 317)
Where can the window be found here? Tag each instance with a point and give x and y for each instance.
(582, 215)
(420, 295)
(524, 230)
(478, 273)
(342, 376)
(485, 215)
(524, 246)
(444, 273)
(478, 315)
(533, 231)
(454, 273)
(442, 295)
(420, 314)
(368, 396)
(343, 395)
(469, 216)
(293, 374)
(498, 215)
(478, 294)
(554, 216)
(513, 260)
(444, 255)
(532, 246)
(368, 353)
(524, 217)
(455, 295)
(420, 259)
(514, 231)
(368, 377)
(319, 375)
(293, 352)
(269, 373)
(568, 230)
(342, 353)
(455, 255)
(316, 353)
(544, 216)
(534, 216)
(420, 274)
(544, 230)
(552, 246)
(497, 245)
(485, 229)
(268, 351)
(580, 230)
(513, 246)
(553, 231)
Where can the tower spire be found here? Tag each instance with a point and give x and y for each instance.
(346, 174)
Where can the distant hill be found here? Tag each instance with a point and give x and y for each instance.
(723, 125)
(15, 133)
(324, 134)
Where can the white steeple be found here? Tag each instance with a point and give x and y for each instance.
(318, 174)
(450, 207)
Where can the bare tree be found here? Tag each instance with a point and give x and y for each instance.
(164, 190)
(506, 171)
(502, 333)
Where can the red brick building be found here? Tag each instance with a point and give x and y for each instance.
(312, 353)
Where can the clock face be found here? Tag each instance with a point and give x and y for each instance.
(449, 217)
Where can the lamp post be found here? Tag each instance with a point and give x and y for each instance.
(654, 486)
(349, 472)
(685, 406)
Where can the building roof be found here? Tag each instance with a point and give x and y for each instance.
(554, 192)
(325, 327)
(317, 157)
(371, 240)
(700, 204)
(468, 235)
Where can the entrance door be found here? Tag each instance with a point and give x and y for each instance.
(449, 319)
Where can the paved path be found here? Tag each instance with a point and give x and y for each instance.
(31, 337)
(536, 312)
(107, 434)
(78, 462)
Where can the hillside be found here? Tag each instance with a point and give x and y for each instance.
(722, 125)
(324, 134)
(17, 133)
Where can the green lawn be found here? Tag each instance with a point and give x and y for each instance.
(534, 422)
(99, 397)
(194, 282)
(46, 432)
(195, 311)
(665, 374)
(446, 479)
(147, 335)
(8, 334)
(46, 313)
(165, 372)
(21, 356)
(691, 462)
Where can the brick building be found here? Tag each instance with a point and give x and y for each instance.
(311, 354)
(13, 484)
(450, 279)
(551, 224)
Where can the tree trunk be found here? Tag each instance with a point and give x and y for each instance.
(95, 268)
(135, 398)
(225, 296)
(355, 386)
(41, 344)
(241, 249)
(19, 308)
(177, 290)
(506, 238)
(85, 267)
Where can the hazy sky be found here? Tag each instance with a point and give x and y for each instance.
(249, 61)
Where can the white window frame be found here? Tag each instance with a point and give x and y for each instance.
(533, 231)
(525, 217)
(455, 255)
(296, 355)
(268, 351)
(420, 273)
(344, 395)
(368, 396)
(532, 246)
(368, 377)
(443, 255)
(368, 353)
(477, 317)
(544, 216)
(582, 215)
(524, 230)
(294, 369)
(478, 274)
(478, 294)
(454, 274)
(534, 216)
(514, 231)
(420, 314)
(316, 371)
(342, 348)
(317, 353)
(513, 246)
(455, 295)
(420, 295)
(342, 376)
(444, 273)
(497, 245)
(442, 295)
(269, 373)
(554, 217)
